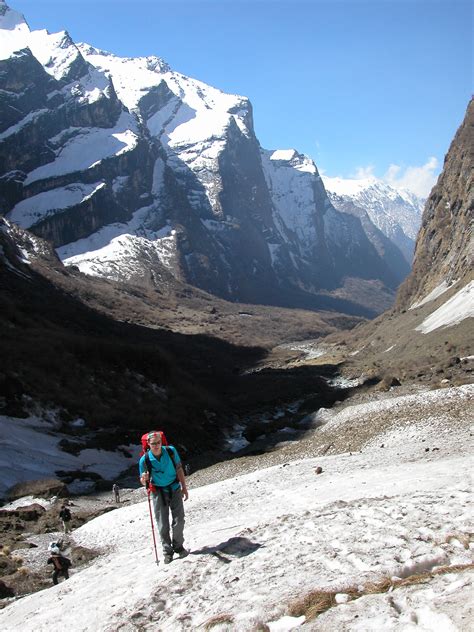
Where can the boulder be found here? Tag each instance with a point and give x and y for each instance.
(44, 488)
(30, 512)
(5, 591)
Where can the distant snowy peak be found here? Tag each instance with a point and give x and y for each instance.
(348, 186)
(395, 212)
(380, 200)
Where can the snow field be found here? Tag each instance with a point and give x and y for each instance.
(262, 540)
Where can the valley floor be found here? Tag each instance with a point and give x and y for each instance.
(268, 534)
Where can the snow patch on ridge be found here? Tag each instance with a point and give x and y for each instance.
(440, 289)
(34, 209)
(125, 255)
(79, 149)
(456, 309)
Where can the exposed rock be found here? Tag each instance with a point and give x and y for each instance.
(44, 488)
(29, 513)
(5, 591)
(445, 244)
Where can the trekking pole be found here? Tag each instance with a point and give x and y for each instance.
(152, 526)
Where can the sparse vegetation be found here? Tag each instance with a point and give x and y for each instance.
(218, 620)
(316, 602)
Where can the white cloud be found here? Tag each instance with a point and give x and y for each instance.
(418, 180)
(362, 173)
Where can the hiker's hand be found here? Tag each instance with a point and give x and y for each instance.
(184, 491)
(144, 478)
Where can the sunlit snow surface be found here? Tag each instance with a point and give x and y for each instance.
(37, 207)
(262, 540)
(453, 311)
(86, 147)
(437, 291)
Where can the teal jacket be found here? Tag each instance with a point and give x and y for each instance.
(163, 473)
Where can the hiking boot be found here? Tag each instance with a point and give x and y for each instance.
(168, 558)
(182, 552)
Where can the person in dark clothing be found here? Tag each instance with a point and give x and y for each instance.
(116, 492)
(65, 516)
(60, 564)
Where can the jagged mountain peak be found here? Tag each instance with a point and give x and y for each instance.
(293, 158)
(152, 62)
(360, 186)
(56, 52)
(134, 77)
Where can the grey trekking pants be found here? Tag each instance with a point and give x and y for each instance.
(163, 504)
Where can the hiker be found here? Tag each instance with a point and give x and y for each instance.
(65, 516)
(116, 491)
(60, 563)
(167, 485)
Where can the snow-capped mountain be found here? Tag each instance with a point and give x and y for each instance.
(129, 167)
(396, 213)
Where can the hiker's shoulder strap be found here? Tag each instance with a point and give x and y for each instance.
(147, 462)
(170, 452)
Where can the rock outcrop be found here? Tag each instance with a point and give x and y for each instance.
(445, 246)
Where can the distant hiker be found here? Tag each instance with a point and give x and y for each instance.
(167, 485)
(60, 563)
(116, 491)
(65, 516)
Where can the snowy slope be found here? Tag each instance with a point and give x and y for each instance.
(193, 124)
(453, 311)
(34, 443)
(261, 541)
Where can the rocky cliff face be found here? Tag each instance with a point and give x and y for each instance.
(427, 336)
(130, 169)
(445, 246)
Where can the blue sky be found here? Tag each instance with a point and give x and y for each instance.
(375, 86)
